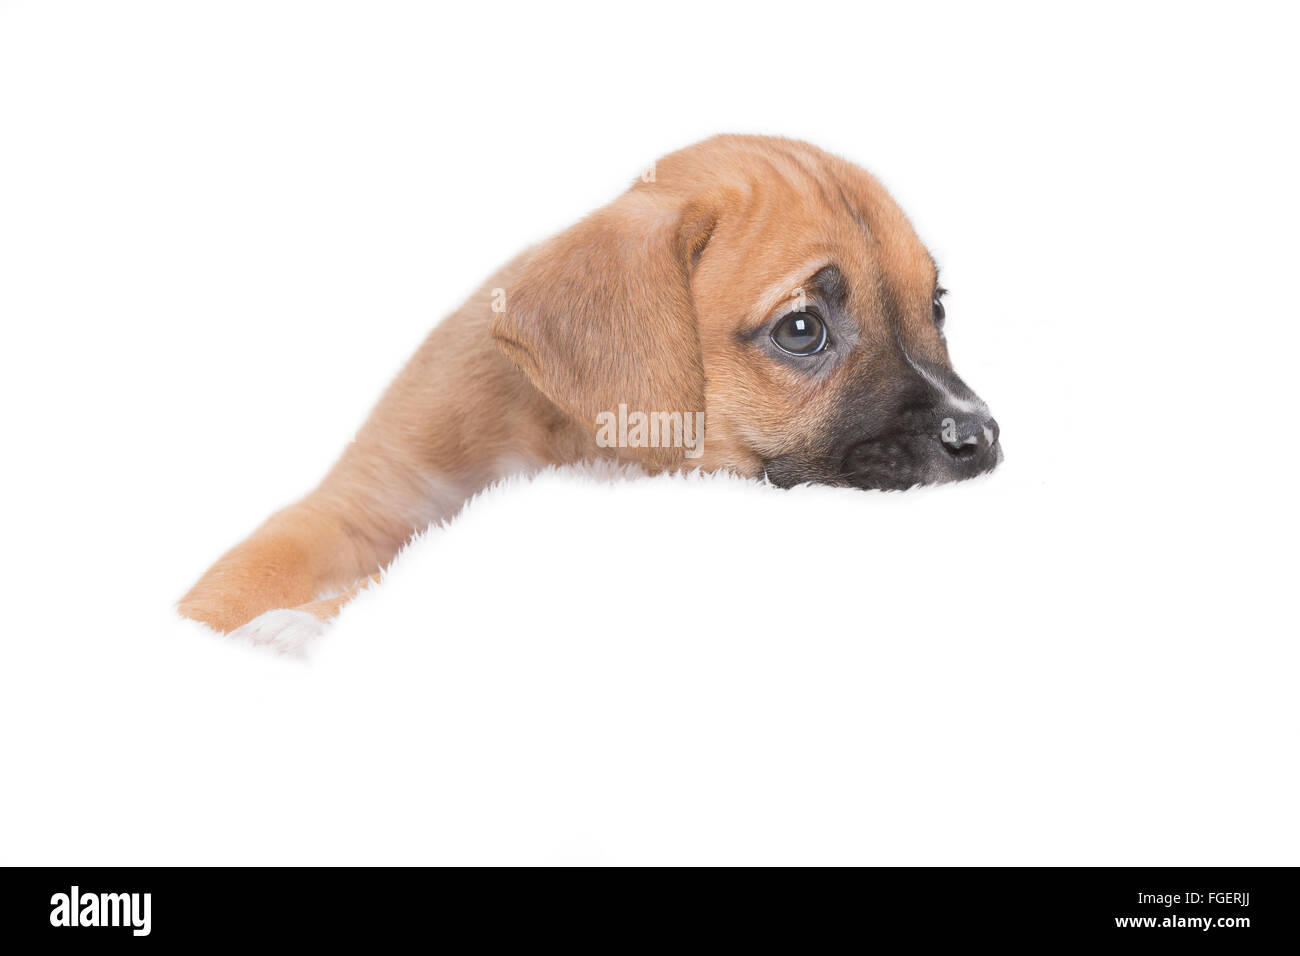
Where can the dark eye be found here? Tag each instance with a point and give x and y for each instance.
(938, 311)
(800, 333)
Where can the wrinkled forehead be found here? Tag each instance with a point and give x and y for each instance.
(794, 212)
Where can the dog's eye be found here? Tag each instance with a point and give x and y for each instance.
(800, 333)
(938, 311)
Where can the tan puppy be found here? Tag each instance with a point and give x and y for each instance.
(758, 306)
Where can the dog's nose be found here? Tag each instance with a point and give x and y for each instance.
(968, 436)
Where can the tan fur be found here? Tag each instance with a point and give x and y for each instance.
(640, 303)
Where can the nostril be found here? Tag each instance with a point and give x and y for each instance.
(991, 431)
(966, 439)
(964, 452)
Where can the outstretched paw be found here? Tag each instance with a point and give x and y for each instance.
(284, 630)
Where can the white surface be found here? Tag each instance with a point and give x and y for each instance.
(224, 227)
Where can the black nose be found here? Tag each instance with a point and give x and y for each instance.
(968, 436)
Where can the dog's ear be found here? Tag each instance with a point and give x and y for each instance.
(602, 314)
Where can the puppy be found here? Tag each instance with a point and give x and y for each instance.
(755, 305)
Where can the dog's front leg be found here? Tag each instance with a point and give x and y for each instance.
(281, 565)
(457, 418)
(306, 561)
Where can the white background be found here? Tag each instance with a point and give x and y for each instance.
(223, 228)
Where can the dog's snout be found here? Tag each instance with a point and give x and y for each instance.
(969, 436)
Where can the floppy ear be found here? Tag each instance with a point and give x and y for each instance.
(602, 313)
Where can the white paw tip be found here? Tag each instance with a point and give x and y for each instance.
(284, 630)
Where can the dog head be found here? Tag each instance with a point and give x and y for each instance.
(772, 286)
